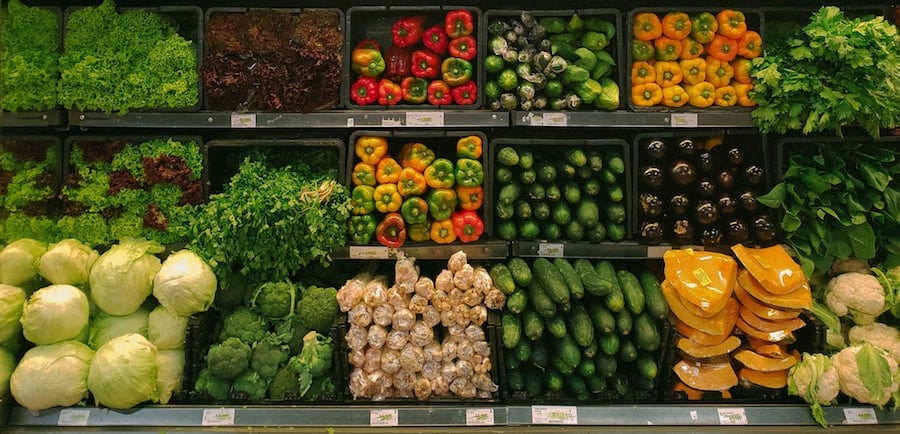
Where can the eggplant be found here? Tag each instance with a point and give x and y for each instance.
(686, 147)
(683, 231)
(711, 236)
(651, 232)
(651, 205)
(679, 203)
(764, 229)
(748, 201)
(652, 176)
(727, 204)
(725, 179)
(705, 188)
(655, 149)
(738, 232)
(706, 212)
(705, 162)
(682, 172)
(735, 155)
(754, 174)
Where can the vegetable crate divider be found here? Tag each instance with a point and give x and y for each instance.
(188, 22)
(611, 14)
(222, 157)
(810, 339)
(375, 22)
(557, 147)
(754, 19)
(781, 21)
(754, 145)
(242, 10)
(60, 27)
(443, 143)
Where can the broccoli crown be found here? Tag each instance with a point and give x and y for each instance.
(215, 387)
(313, 361)
(228, 359)
(268, 354)
(275, 299)
(318, 308)
(244, 324)
(284, 384)
(252, 384)
(320, 389)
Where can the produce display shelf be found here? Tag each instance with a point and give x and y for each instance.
(629, 119)
(48, 118)
(611, 250)
(489, 249)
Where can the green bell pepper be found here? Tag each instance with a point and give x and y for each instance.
(594, 41)
(414, 210)
(596, 24)
(588, 90)
(553, 25)
(586, 58)
(362, 199)
(362, 228)
(469, 173)
(642, 50)
(440, 174)
(575, 74)
(441, 202)
(456, 71)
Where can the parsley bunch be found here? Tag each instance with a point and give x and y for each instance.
(832, 73)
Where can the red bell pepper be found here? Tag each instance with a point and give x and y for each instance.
(364, 91)
(466, 94)
(369, 43)
(391, 232)
(415, 90)
(398, 61)
(467, 225)
(389, 93)
(407, 31)
(439, 93)
(435, 39)
(425, 64)
(459, 23)
(463, 47)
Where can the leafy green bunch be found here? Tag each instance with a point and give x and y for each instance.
(832, 73)
(28, 57)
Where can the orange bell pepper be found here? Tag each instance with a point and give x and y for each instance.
(719, 73)
(693, 71)
(674, 96)
(726, 96)
(667, 48)
(387, 198)
(642, 72)
(701, 95)
(668, 73)
(411, 183)
(676, 25)
(646, 95)
(470, 198)
(370, 149)
(750, 44)
(388, 171)
(416, 155)
(704, 27)
(722, 48)
(646, 26)
(742, 90)
(469, 147)
(442, 231)
(691, 49)
(363, 174)
(742, 68)
(732, 23)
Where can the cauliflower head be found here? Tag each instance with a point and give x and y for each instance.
(881, 335)
(856, 294)
(867, 373)
(815, 380)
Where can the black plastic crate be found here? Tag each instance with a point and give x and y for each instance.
(271, 61)
(755, 22)
(375, 22)
(557, 147)
(754, 150)
(615, 47)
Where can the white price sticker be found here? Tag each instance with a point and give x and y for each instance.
(425, 119)
(383, 417)
(243, 120)
(694, 415)
(684, 120)
(70, 417)
(369, 252)
(535, 119)
(391, 121)
(732, 416)
(351, 122)
(218, 417)
(479, 416)
(860, 416)
(555, 119)
(554, 415)
(551, 250)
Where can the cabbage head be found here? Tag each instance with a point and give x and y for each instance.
(68, 262)
(171, 373)
(19, 261)
(54, 314)
(122, 278)
(185, 284)
(52, 375)
(105, 326)
(165, 330)
(124, 371)
(7, 365)
(12, 299)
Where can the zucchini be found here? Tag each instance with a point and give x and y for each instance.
(580, 326)
(521, 274)
(510, 360)
(646, 366)
(615, 193)
(631, 289)
(502, 278)
(639, 382)
(604, 320)
(529, 229)
(532, 325)
(508, 231)
(653, 297)
(624, 322)
(541, 302)
(573, 281)
(517, 301)
(511, 330)
(556, 326)
(615, 232)
(607, 177)
(646, 333)
(574, 231)
(606, 365)
(552, 282)
(590, 279)
(615, 300)
(551, 231)
(627, 350)
(609, 344)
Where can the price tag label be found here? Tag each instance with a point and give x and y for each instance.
(479, 416)
(383, 417)
(425, 119)
(369, 252)
(218, 417)
(555, 119)
(551, 250)
(243, 120)
(70, 417)
(732, 416)
(694, 415)
(535, 119)
(391, 121)
(554, 415)
(684, 120)
(351, 122)
(657, 251)
(860, 416)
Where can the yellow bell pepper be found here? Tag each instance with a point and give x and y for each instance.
(387, 198)
(370, 149)
(388, 171)
(742, 90)
(691, 49)
(668, 73)
(646, 95)
(674, 96)
(726, 96)
(693, 71)
(718, 72)
(442, 231)
(702, 94)
(742, 70)
(642, 72)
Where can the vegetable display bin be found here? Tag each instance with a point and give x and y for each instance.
(700, 187)
(30, 177)
(533, 193)
(709, 81)
(273, 59)
(32, 87)
(373, 26)
(606, 65)
(429, 178)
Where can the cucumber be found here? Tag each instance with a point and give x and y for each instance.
(565, 170)
(504, 211)
(607, 281)
(639, 382)
(576, 157)
(529, 229)
(576, 386)
(508, 156)
(595, 161)
(614, 162)
(587, 367)
(573, 281)
(523, 209)
(523, 350)
(540, 210)
(597, 233)
(561, 213)
(526, 159)
(502, 278)
(556, 326)
(552, 282)
(574, 231)
(528, 176)
(646, 333)
(631, 289)
(541, 302)
(619, 383)
(551, 231)
(509, 193)
(615, 212)
(511, 330)
(540, 357)
(587, 213)
(532, 325)
(554, 380)
(606, 365)
(507, 230)
(615, 193)
(580, 326)
(615, 232)
(503, 174)
(515, 380)
(596, 383)
(517, 301)
(624, 322)
(520, 271)
(546, 172)
(590, 279)
(609, 344)
(572, 192)
(646, 366)
(607, 177)
(510, 360)
(615, 300)
(627, 350)
(592, 187)
(604, 320)
(653, 297)
(584, 172)
(536, 192)
(534, 389)
(552, 193)
(568, 354)
(591, 350)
